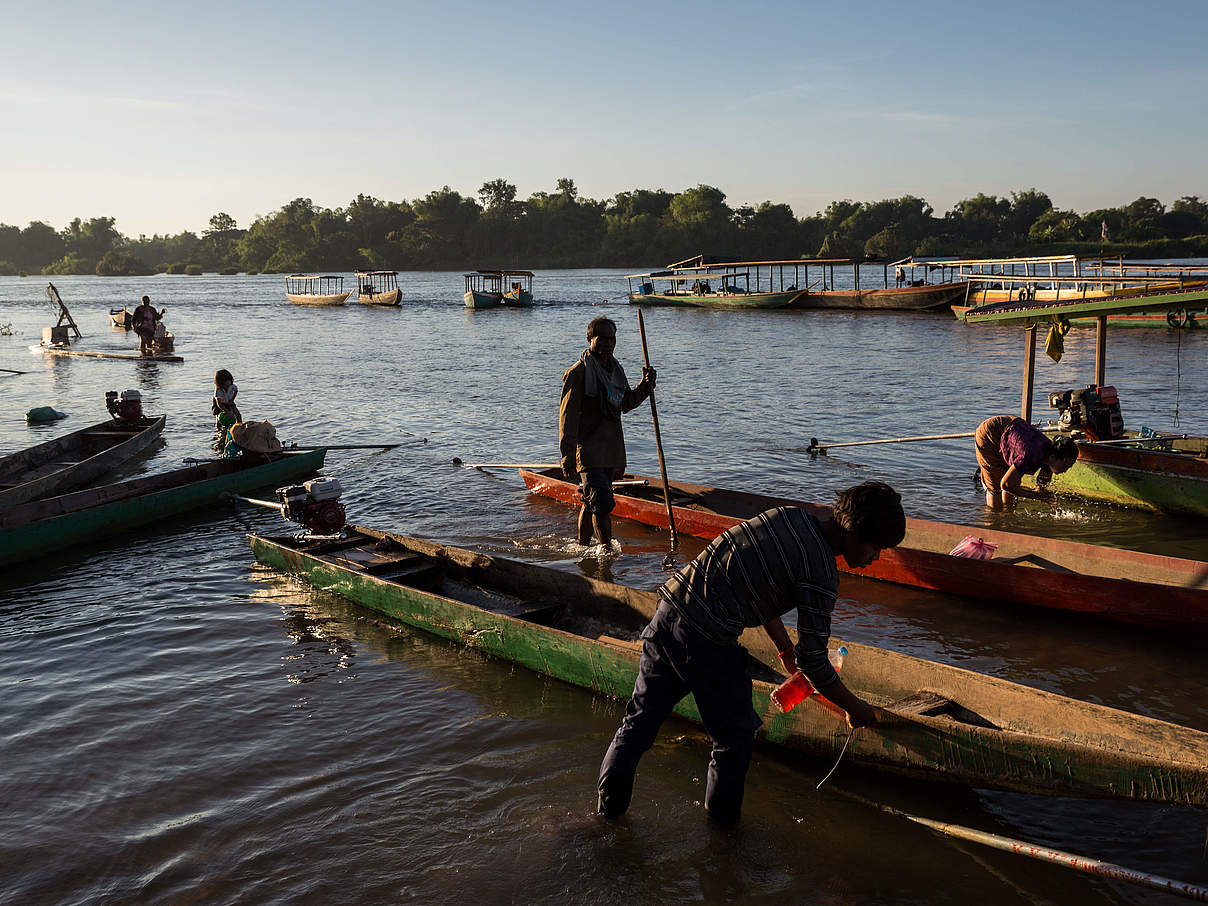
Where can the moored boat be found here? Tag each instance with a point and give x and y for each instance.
(315, 289)
(484, 288)
(1114, 465)
(519, 290)
(75, 459)
(45, 526)
(934, 720)
(378, 288)
(1124, 585)
(1178, 320)
(121, 318)
(705, 291)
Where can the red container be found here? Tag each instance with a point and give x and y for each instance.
(792, 692)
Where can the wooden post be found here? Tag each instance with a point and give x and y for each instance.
(1029, 372)
(1100, 349)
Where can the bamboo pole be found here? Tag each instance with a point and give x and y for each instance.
(658, 440)
(816, 447)
(507, 465)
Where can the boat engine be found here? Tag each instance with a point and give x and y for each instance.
(126, 408)
(1094, 410)
(314, 504)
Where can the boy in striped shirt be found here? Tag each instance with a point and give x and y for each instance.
(748, 576)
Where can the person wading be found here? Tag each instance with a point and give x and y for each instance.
(595, 392)
(750, 575)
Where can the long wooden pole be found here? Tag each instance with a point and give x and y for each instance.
(658, 440)
(816, 447)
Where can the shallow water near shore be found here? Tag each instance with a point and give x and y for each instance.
(182, 724)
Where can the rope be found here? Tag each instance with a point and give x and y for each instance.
(842, 752)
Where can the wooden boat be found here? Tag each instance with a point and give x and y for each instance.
(378, 288)
(90, 354)
(121, 318)
(1124, 585)
(1178, 320)
(485, 289)
(692, 283)
(73, 460)
(520, 288)
(933, 720)
(107, 512)
(315, 289)
(1117, 469)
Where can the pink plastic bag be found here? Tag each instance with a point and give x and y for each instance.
(974, 547)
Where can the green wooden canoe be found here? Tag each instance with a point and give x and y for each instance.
(934, 720)
(46, 526)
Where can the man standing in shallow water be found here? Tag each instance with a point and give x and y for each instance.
(595, 392)
(748, 576)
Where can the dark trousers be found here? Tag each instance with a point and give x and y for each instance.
(676, 660)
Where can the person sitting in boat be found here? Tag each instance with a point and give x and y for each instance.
(595, 392)
(143, 320)
(1008, 448)
(225, 392)
(750, 575)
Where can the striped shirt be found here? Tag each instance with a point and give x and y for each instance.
(755, 572)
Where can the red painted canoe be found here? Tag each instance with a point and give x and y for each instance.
(1125, 585)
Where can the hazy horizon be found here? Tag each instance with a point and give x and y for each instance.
(160, 118)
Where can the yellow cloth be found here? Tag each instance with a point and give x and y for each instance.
(1054, 343)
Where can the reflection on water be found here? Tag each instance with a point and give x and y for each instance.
(181, 724)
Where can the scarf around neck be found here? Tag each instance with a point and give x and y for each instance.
(608, 385)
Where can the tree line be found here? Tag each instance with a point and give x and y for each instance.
(448, 230)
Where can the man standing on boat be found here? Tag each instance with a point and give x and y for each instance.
(595, 392)
(748, 576)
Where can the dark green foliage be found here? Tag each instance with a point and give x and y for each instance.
(193, 270)
(643, 227)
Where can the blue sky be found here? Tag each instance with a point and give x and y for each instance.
(160, 114)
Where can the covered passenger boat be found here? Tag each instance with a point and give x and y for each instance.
(378, 288)
(1166, 473)
(934, 720)
(315, 289)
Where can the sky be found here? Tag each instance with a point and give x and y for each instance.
(163, 114)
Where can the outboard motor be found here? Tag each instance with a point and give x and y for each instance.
(314, 504)
(1094, 410)
(127, 408)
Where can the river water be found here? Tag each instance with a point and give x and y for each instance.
(183, 725)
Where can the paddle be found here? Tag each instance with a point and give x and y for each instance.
(13, 371)
(422, 440)
(658, 444)
(815, 448)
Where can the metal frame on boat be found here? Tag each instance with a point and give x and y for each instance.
(74, 460)
(1124, 585)
(316, 289)
(378, 287)
(1165, 475)
(934, 720)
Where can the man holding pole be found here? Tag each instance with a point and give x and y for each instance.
(595, 392)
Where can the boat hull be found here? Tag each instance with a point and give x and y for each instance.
(933, 720)
(475, 299)
(391, 297)
(47, 526)
(121, 318)
(1123, 585)
(308, 299)
(517, 299)
(1189, 320)
(719, 300)
(1146, 479)
(908, 298)
(40, 471)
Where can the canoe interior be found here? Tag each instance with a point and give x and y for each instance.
(74, 459)
(934, 719)
(1129, 586)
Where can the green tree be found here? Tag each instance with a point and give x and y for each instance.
(121, 263)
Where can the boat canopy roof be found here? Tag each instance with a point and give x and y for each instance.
(495, 272)
(315, 277)
(684, 278)
(376, 273)
(1034, 311)
(788, 261)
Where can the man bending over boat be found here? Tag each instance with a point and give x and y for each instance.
(750, 575)
(595, 392)
(1008, 448)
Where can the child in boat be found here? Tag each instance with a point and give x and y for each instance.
(225, 392)
(750, 575)
(1008, 448)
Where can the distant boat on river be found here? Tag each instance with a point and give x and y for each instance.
(314, 289)
(484, 288)
(378, 288)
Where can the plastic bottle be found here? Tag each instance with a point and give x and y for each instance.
(796, 689)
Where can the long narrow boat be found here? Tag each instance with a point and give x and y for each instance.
(904, 298)
(933, 720)
(46, 526)
(315, 289)
(696, 290)
(1129, 586)
(1178, 320)
(73, 460)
